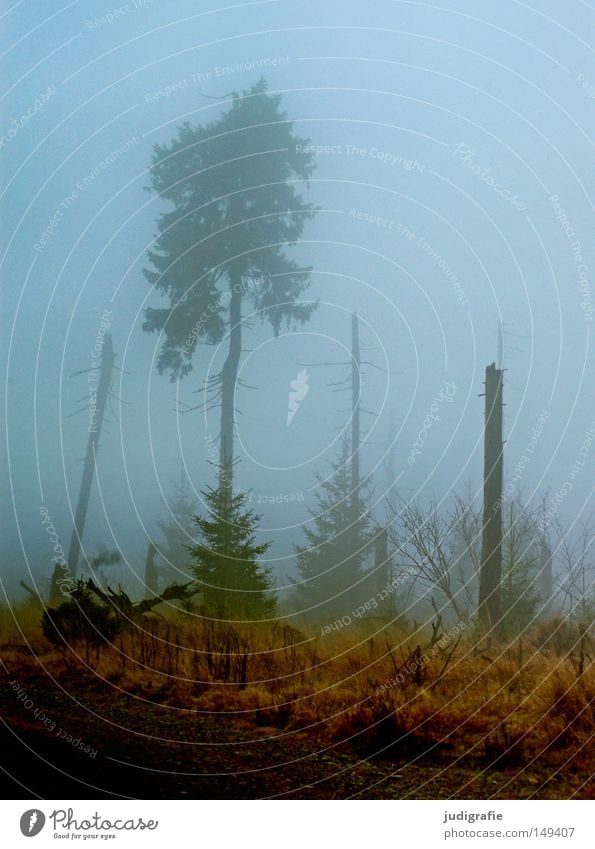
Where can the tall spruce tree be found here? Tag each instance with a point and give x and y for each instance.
(332, 565)
(234, 584)
(233, 183)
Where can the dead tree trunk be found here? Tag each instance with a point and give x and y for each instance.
(105, 376)
(491, 545)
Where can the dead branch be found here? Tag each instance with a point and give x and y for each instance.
(123, 604)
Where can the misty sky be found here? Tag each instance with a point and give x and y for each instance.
(454, 179)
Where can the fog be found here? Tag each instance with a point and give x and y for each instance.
(453, 182)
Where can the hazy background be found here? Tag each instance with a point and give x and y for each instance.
(398, 79)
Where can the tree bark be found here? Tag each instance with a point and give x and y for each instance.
(491, 548)
(353, 563)
(107, 363)
(151, 579)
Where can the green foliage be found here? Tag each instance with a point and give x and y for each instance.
(339, 543)
(232, 183)
(233, 582)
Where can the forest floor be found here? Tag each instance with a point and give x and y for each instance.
(147, 749)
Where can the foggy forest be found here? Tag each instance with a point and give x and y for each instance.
(298, 379)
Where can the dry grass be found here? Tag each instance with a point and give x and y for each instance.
(506, 706)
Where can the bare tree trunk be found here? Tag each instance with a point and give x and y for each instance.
(355, 502)
(229, 378)
(489, 607)
(384, 571)
(107, 363)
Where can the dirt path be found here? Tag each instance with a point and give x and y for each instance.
(147, 750)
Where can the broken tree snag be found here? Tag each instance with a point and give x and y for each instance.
(489, 607)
